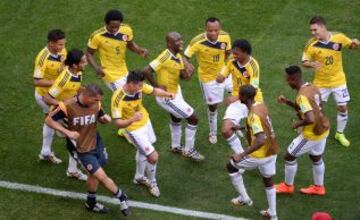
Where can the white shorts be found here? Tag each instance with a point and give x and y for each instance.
(236, 111)
(213, 92)
(266, 166)
(228, 84)
(177, 107)
(301, 145)
(40, 101)
(341, 94)
(113, 86)
(143, 138)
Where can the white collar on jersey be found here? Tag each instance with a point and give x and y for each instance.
(241, 66)
(328, 40)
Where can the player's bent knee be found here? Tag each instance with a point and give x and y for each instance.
(193, 119)
(153, 157)
(231, 169)
(226, 129)
(342, 108)
(289, 157)
(315, 158)
(268, 182)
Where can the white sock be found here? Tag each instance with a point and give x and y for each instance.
(238, 183)
(140, 165)
(342, 118)
(72, 167)
(151, 172)
(318, 172)
(212, 121)
(271, 198)
(175, 129)
(290, 171)
(235, 144)
(190, 132)
(48, 136)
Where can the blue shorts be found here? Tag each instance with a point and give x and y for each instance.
(92, 160)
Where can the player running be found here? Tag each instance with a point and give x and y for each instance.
(49, 64)
(211, 50)
(261, 153)
(82, 114)
(312, 138)
(170, 66)
(66, 86)
(323, 53)
(128, 112)
(244, 70)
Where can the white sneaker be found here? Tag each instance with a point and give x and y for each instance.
(51, 158)
(212, 138)
(154, 190)
(77, 175)
(238, 201)
(193, 154)
(144, 181)
(266, 214)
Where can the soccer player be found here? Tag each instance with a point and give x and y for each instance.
(48, 65)
(82, 114)
(128, 112)
(111, 41)
(170, 66)
(66, 86)
(312, 139)
(323, 53)
(211, 49)
(244, 70)
(260, 154)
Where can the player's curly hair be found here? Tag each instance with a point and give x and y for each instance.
(135, 76)
(243, 45)
(74, 57)
(113, 15)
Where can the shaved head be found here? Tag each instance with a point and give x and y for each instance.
(174, 41)
(172, 36)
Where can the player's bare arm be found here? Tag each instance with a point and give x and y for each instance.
(105, 119)
(258, 142)
(57, 126)
(312, 64)
(309, 118)
(148, 73)
(91, 59)
(143, 52)
(50, 100)
(162, 93)
(355, 43)
(42, 82)
(283, 100)
(123, 123)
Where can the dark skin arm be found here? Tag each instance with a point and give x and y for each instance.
(308, 119)
(355, 44)
(42, 82)
(148, 73)
(131, 45)
(258, 142)
(91, 59)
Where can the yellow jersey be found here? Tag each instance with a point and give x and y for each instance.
(305, 106)
(243, 75)
(167, 67)
(124, 106)
(329, 54)
(48, 66)
(258, 121)
(66, 86)
(210, 55)
(112, 51)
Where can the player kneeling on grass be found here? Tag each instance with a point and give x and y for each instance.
(312, 139)
(260, 154)
(170, 66)
(82, 113)
(129, 113)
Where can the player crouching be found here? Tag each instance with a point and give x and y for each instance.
(260, 154)
(82, 113)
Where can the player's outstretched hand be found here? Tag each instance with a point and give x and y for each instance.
(143, 52)
(282, 99)
(105, 119)
(73, 135)
(237, 157)
(137, 116)
(172, 96)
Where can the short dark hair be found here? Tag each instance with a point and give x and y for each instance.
(135, 76)
(293, 70)
(55, 35)
(248, 92)
(318, 20)
(73, 57)
(92, 90)
(243, 45)
(113, 15)
(212, 19)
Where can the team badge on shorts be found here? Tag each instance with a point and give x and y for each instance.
(125, 37)
(147, 149)
(223, 46)
(336, 46)
(89, 167)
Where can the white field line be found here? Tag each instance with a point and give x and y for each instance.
(106, 199)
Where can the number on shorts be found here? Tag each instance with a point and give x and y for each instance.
(345, 93)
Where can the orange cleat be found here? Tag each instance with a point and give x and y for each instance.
(283, 188)
(314, 190)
